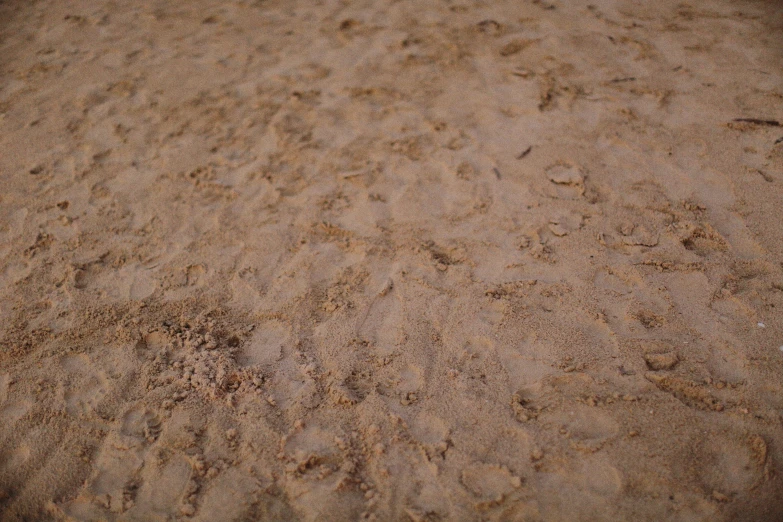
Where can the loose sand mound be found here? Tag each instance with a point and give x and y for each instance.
(393, 260)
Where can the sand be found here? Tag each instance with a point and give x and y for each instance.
(391, 260)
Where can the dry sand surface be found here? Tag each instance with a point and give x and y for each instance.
(391, 260)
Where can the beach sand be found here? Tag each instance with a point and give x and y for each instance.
(391, 260)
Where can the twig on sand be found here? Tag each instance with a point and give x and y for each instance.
(525, 152)
(496, 171)
(770, 123)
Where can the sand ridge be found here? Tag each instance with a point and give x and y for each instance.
(390, 260)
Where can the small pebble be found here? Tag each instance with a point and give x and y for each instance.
(762, 325)
(386, 288)
(537, 454)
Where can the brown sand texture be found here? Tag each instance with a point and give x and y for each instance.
(391, 260)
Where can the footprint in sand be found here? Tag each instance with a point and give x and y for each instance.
(410, 381)
(311, 448)
(599, 477)
(527, 362)
(383, 324)
(162, 490)
(489, 483)
(116, 465)
(317, 468)
(15, 458)
(266, 345)
(141, 423)
(226, 498)
(733, 464)
(84, 388)
(728, 364)
(431, 432)
(194, 275)
(115, 479)
(12, 412)
(587, 429)
(567, 181)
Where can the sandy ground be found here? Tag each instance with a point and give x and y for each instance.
(391, 260)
